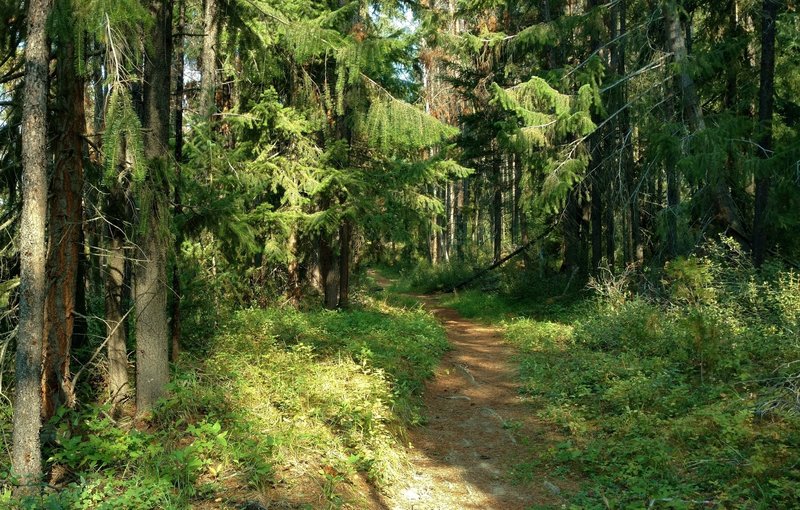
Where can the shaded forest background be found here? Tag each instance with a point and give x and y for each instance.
(172, 168)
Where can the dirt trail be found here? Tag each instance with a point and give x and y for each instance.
(478, 428)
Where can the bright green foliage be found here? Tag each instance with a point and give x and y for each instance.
(396, 127)
(123, 150)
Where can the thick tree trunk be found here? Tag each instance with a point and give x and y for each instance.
(766, 101)
(65, 223)
(26, 457)
(152, 325)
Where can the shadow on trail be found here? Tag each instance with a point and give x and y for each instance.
(478, 428)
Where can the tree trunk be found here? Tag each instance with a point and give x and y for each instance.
(497, 216)
(152, 332)
(462, 218)
(65, 223)
(597, 219)
(345, 243)
(26, 457)
(572, 232)
(208, 59)
(517, 200)
(293, 269)
(766, 101)
(118, 382)
(330, 285)
(175, 312)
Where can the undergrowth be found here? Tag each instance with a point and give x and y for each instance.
(276, 397)
(672, 388)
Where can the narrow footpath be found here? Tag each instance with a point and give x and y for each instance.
(478, 430)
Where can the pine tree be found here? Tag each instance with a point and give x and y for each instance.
(26, 455)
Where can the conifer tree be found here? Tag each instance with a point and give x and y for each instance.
(26, 455)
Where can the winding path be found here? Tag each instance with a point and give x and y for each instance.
(479, 429)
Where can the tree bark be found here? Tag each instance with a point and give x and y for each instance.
(330, 285)
(26, 457)
(345, 256)
(65, 223)
(118, 381)
(152, 332)
(516, 220)
(766, 102)
(208, 59)
(175, 312)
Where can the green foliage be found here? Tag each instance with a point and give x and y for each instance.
(276, 388)
(123, 150)
(671, 398)
(396, 126)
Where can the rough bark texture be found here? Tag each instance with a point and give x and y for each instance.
(26, 455)
(766, 101)
(152, 325)
(65, 218)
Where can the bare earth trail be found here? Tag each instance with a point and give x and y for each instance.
(478, 428)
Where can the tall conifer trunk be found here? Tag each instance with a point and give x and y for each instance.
(766, 101)
(208, 58)
(345, 259)
(175, 312)
(26, 457)
(65, 225)
(118, 381)
(152, 331)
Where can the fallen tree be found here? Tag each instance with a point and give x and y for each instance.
(502, 261)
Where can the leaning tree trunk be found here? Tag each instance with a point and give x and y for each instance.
(26, 457)
(766, 101)
(727, 212)
(65, 223)
(152, 325)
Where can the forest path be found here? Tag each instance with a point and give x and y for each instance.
(478, 428)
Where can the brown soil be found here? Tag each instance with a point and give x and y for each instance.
(479, 429)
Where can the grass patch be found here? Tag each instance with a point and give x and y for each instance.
(281, 401)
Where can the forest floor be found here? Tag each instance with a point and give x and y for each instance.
(479, 428)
